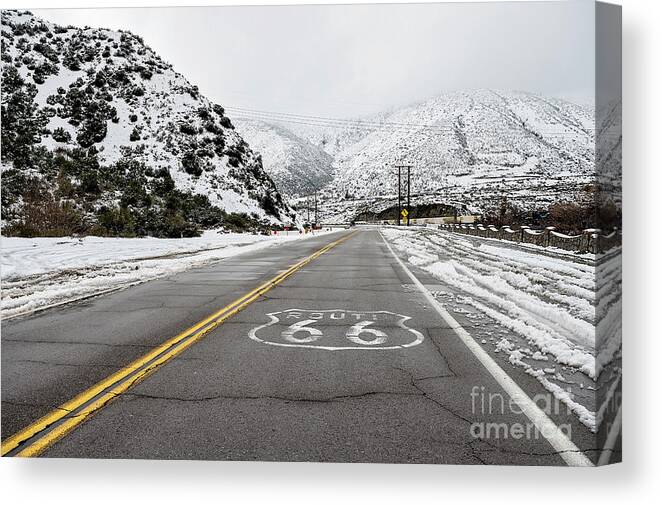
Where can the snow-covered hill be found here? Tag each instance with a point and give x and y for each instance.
(108, 93)
(297, 166)
(474, 147)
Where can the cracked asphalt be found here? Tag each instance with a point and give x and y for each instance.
(282, 395)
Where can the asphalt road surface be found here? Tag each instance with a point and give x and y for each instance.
(342, 360)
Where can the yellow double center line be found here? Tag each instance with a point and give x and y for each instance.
(38, 436)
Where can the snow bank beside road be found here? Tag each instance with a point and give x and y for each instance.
(42, 271)
(23, 257)
(538, 310)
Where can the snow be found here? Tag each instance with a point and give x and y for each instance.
(469, 146)
(544, 312)
(295, 164)
(62, 79)
(39, 272)
(165, 104)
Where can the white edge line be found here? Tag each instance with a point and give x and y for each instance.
(566, 448)
(609, 445)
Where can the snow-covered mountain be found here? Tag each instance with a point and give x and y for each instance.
(297, 166)
(108, 94)
(473, 147)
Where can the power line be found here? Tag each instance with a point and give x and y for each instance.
(370, 124)
(506, 132)
(386, 127)
(331, 124)
(495, 132)
(343, 120)
(357, 121)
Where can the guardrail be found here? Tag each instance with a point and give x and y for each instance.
(438, 220)
(591, 240)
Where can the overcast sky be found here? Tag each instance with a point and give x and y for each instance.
(350, 60)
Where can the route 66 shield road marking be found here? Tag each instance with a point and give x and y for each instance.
(337, 329)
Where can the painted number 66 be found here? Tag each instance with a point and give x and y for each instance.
(353, 334)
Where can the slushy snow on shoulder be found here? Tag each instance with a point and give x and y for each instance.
(537, 310)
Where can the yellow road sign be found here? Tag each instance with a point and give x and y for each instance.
(405, 213)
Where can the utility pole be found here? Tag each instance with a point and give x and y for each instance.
(314, 187)
(399, 193)
(408, 196)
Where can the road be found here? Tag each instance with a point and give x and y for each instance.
(341, 359)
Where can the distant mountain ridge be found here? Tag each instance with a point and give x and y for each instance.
(471, 137)
(106, 101)
(297, 166)
(474, 147)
